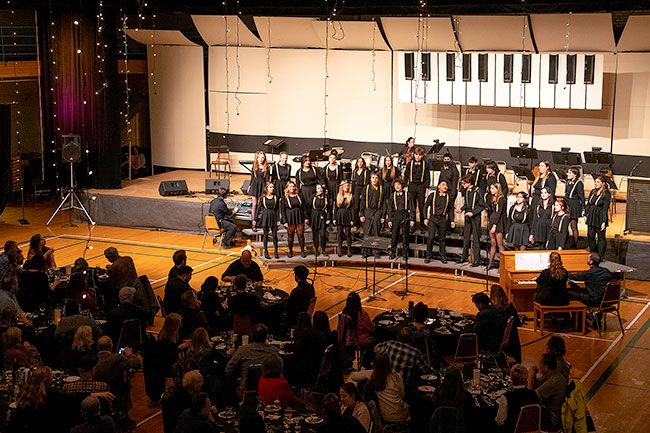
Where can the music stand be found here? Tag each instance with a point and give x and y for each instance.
(523, 153)
(316, 155)
(273, 144)
(567, 158)
(374, 243)
(599, 158)
(437, 147)
(404, 293)
(523, 171)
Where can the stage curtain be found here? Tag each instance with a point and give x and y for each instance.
(81, 94)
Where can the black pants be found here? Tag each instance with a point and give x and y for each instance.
(341, 232)
(419, 193)
(597, 240)
(265, 238)
(472, 233)
(400, 227)
(230, 230)
(320, 239)
(437, 226)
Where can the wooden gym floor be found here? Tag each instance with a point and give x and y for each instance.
(611, 367)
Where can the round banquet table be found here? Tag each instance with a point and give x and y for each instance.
(272, 304)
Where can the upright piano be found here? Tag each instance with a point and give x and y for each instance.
(519, 269)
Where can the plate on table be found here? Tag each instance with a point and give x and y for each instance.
(428, 377)
(313, 419)
(272, 408)
(100, 322)
(216, 339)
(426, 388)
(220, 346)
(455, 314)
(71, 379)
(386, 322)
(442, 330)
(284, 352)
(272, 417)
(226, 414)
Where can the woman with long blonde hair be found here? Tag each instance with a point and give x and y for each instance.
(497, 205)
(293, 217)
(552, 283)
(259, 178)
(36, 403)
(343, 216)
(82, 345)
(268, 218)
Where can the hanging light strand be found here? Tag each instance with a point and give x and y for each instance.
(374, 56)
(238, 66)
(268, 50)
(416, 75)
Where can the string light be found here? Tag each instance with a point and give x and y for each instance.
(327, 47)
(567, 37)
(16, 90)
(154, 54)
(416, 75)
(238, 64)
(53, 92)
(226, 30)
(374, 55)
(127, 90)
(521, 84)
(268, 50)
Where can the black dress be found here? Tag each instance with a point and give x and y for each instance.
(519, 231)
(387, 181)
(258, 180)
(343, 214)
(496, 214)
(268, 209)
(549, 182)
(499, 178)
(319, 213)
(557, 238)
(359, 182)
(597, 209)
(293, 210)
(333, 178)
(542, 222)
(280, 176)
(552, 291)
(306, 181)
(575, 197)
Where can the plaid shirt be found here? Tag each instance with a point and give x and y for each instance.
(85, 386)
(405, 359)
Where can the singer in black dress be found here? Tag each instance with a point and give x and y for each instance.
(541, 222)
(372, 209)
(388, 174)
(360, 178)
(557, 238)
(574, 194)
(401, 217)
(268, 218)
(597, 211)
(281, 174)
(343, 217)
(293, 217)
(496, 205)
(519, 229)
(320, 219)
(333, 176)
(259, 177)
(493, 175)
(546, 179)
(307, 177)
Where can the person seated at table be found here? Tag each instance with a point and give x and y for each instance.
(36, 404)
(18, 353)
(212, 306)
(180, 259)
(243, 307)
(37, 247)
(193, 348)
(8, 289)
(308, 349)
(499, 300)
(244, 266)
(353, 405)
(78, 290)
(556, 346)
(179, 398)
(596, 280)
(321, 323)
(253, 353)
(272, 386)
(8, 248)
(94, 421)
(387, 388)
(550, 386)
(14, 265)
(8, 318)
(174, 289)
(452, 393)
(552, 283)
(513, 400)
(121, 270)
(488, 324)
(160, 357)
(355, 329)
(82, 346)
(334, 420)
(127, 310)
(420, 315)
(198, 417)
(72, 319)
(301, 296)
(34, 290)
(405, 359)
(192, 316)
(86, 384)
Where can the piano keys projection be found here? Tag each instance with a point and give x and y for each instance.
(571, 81)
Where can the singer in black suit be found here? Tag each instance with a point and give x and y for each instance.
(372, 209)
(439, 210)
(401, 217)
(417, 180)
(449, 173)
(472, 207)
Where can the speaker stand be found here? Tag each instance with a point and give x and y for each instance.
(74, 202)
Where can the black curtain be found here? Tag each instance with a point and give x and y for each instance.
(81, 92)
(5, 155)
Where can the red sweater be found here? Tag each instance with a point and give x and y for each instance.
(270, 389)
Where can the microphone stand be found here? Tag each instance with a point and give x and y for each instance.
(404, 293)
(635, 167)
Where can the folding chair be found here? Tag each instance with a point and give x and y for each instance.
(610, 303)
(530, 419)
(212, 228)
(466, 349)
(130, 334)
(505, 340)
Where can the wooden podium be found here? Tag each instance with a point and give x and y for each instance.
(519, 270)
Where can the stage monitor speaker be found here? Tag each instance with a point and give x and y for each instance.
(409, 66)
(245, 187)
(172, 187)
(426, 66)
(483, 68)
(507, 68)
(590, 62)
(553, 64)
(451, 66)
(571, 61)
(70, 148)
(212, 186)
(525, 68)
(274, 143)
(467, 67)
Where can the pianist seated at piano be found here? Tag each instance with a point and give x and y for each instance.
(552, 283)
(596, 280)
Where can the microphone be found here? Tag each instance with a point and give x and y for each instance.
(636, 166)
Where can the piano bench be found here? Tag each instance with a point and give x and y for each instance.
(574, 307)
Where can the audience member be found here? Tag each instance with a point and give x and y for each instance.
(180, 259)
(77, 290)
(321, 323)
(37, 247)
(499, 300)
(388, 387)
(8, 248)
(127, 310)
(301, 296)
(488, 324)
(405, 359)
(211, 305)
(94, 421)
(194, 349)
(419, 316)
(36, 404)
(308, 348)
(272, 386)
(121, 270)
(253, 353)
(353, 405)
(335, 421)
(161, 356)
(34, 289)
(551, 283)
(512, 401)
(244, 266)
(86, 384)
(174, 289)
(179, 399)
(198, 417)
(14, 265)
(243, 307)
(556, 347)
(452, 393)
(355, 329)
(8, 289)
(550, 392)
(83, 346)
(18, 353)
(72, 319)
(596, 280)
(192, 315)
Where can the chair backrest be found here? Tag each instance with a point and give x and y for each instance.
(375, 417)
(467, 348)
(506, 333)
(312, 306)
(447, 419)
(530, 419)
(325, 368)
(211, 223)
(253, 374)
(130, 334)
(162, 306)
(612, 294)
(242, 325)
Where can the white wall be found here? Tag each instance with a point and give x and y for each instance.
(632, 113)
(177, 108)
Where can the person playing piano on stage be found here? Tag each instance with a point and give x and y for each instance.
(268, 218)
(319, 219)
(439, 210)
(401, 216)
(417, 179)
(293, 217)
(388, 175)
(546, 179)
(259, 178)
(371, 211)
(575, 199)
(281, 174)
(541, 221)
(596, 209)
(475, 172)
(519, 229)
(551, 283)
(449, 173)
(472, 207)
(360, 179)
(497, 206)
(306, 179)
(559, 234)
(343, 216)
(493, 175)
(333, 176)
(223, 214)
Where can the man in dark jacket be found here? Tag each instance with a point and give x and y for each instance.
(596, 280)
(93, 421)
(175, 288)
(192, 315)
(198, 418)
(127, 310)
(488, 324)
(301, 296)
(223, 214)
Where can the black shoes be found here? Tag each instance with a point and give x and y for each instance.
(427, 259)
(266, 255)
(276, 255)
(349, 253)
(303, 254)
(443, 259)
(475, 264)
(290, 254)
(392, 255)
(462, 260)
